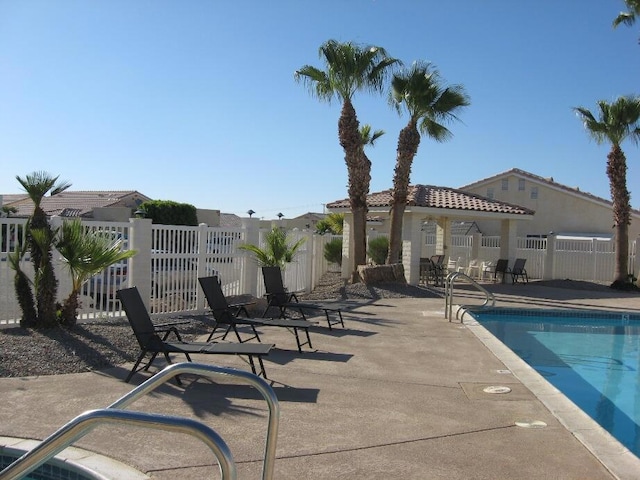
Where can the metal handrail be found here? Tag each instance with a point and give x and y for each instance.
(87, 421)
(448, 293)
(70, 432)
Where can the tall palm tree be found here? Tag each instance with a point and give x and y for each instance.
(419, 91)
(628, 18)
(85, 254)
(37, 185)
(350, 68)
(616, 122)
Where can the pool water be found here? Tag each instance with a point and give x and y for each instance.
(593, 359)
(48, 471)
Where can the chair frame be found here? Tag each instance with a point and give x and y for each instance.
(518, 271)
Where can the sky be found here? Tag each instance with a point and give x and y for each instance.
(195, 101)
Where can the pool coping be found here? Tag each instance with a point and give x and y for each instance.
(618, 459)
(103, 467)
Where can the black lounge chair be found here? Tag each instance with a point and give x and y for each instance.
(229, 315)
(518, 271)
(502, 268)
(148, 336)
(278, 297)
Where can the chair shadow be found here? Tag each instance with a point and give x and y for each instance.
(282, 357)
(338, 331)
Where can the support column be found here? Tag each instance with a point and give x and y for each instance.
(443, 237)
(508, 243)
(412, 238)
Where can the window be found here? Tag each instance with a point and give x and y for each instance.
(505, 184)
(521, 184)
(490, 192)
(534, 192)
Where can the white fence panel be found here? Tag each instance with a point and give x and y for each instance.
(534, 251)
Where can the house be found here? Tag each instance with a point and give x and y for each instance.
(442, 205)
(99, 205)
(566, 211)
(111, 205)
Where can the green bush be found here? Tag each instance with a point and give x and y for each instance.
(378, 250)
(333, 251)
(167, 212)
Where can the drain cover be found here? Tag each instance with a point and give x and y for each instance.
(534, 424)
(504, 372)
(496, 389)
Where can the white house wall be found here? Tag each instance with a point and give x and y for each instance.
(556, 210)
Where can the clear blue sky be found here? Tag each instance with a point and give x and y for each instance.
(195, 100)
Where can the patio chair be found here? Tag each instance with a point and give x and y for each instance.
(501, 267)
(518, 271)
(278, 297)
(229, 315)
(150, 341)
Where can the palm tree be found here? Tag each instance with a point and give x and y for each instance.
(428, 104)
(37, 185)
(616, 122)
(85, 254)
(350, 68)
(628, 18)
(278, 250)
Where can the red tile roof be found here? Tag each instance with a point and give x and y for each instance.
(430, 196)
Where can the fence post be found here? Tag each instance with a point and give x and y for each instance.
(549, 258)
(476, 243)
(308, 259)
(249, 276)
(139, 273)
(203, 249)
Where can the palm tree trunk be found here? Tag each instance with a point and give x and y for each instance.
(617, 173)
(408, 143)
(359, 172)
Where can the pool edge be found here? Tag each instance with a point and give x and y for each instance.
(615, 457)
(96, 463)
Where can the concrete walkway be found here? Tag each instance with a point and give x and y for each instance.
(397, 394)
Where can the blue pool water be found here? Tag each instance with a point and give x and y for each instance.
(592, 358)
(48, 471)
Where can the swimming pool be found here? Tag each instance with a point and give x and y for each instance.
(591, 357)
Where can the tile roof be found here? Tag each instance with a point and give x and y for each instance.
(75, 203)
(430, 196)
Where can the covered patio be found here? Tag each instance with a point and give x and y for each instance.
(443, 205)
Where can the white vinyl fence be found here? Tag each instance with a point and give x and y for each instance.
(170, 259)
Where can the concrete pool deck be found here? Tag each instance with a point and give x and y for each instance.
(399, 393)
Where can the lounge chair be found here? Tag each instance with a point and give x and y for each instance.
(278, 297)
(226, 314)
(502, 268)
(518, 271)
(148, 336)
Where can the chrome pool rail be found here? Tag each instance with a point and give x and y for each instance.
(448, 294)
(114, 413)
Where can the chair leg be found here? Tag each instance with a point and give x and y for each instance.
(135, 367)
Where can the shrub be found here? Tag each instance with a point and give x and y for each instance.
(378, 250)
(333, 251)
(167, 212)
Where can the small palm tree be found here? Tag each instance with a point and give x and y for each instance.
(22, 285)
(37, 185)
(350, 68)
(85, 254)
(628, 18)
(429, 104)
(278, 250)
(332, 223)
(616, 122)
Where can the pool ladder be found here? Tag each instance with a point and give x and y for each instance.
(448, 294)
(115, 414)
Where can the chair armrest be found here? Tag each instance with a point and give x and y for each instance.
(168, 332)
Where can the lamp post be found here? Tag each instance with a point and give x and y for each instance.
(280, 215)
(250, 212)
